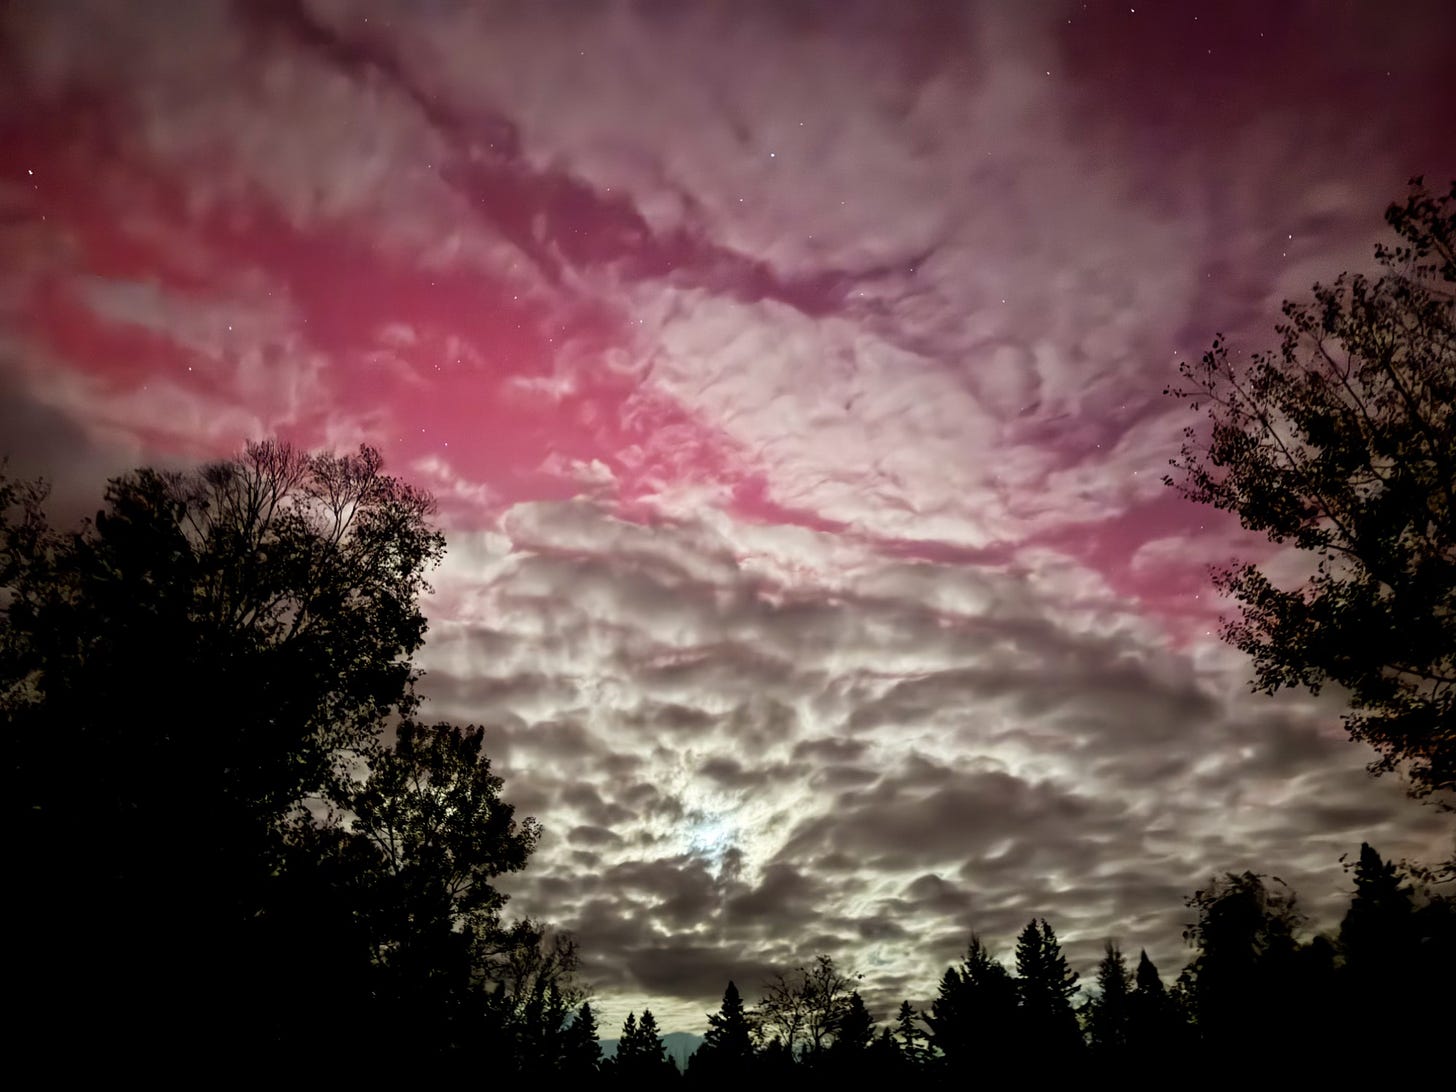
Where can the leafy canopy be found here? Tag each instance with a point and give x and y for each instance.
(208, 693)
(1342, 444)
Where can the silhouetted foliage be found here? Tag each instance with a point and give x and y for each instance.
(883, 1060)
(911, 1038)
(527, 974)
(1396, 966)
(727, 1051)
(581, 1052)
(776, 1063)
(234, 841)
(1109, 1010)
(1245, 940)
(641, 1060)
(198, 687)
(1343, 444)
(854, 1031)
(803, 1008)
(1045, 985)
(974, 1013)
(1156, 1029)
(1377, 932)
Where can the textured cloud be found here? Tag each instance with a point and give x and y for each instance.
(789, 376)
(879, 760)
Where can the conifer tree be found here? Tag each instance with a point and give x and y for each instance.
(641, 1060)
(1377, 939)
(629, 1044)
(884, 1059)
(1108, 1011)
(1155, 1029)
(729, 1032)
(909, 1035)
(776, 1063)
(1376, 931)
(1045, 984)
(974, 1013)
(581, 1053)
(727, 1050)
(1148, 982)
(855, 1029)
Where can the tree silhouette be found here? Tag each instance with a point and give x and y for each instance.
(776, 1063)
(1434, 967)
(425, 835)
(727, 1051)
(429, 832)
(1045, 985)
(641, 1058)
(1392, 974)
(805, 1006)
(1109, 1010)
(974, 1014)
(198, 685)
(1343, 444)
(1239, 979)
(910, 1036)
(233, 840)
(1156, 1032)
(884, 1060)
(581, 1053)
(854, 1031)
(527, 976)
(1377, 930)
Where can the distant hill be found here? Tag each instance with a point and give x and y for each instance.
(678, 1044)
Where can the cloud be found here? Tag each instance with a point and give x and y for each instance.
(882, 762)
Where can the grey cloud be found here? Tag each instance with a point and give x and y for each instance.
(899, 827)
(829, 749)
(948, 771)
(842, 777)
(933, 893)
(588, 801)
(695, 972)
(730, 773)
(785, 898)
(593, 836)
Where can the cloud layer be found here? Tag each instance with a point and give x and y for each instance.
(789, 376)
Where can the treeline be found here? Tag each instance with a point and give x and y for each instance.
(1254, 993)
(235, 849)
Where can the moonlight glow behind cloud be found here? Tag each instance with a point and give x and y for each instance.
(790, 379)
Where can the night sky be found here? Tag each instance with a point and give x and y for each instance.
(790, 379)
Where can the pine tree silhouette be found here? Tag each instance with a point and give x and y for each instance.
(974, 1015)
(1109, 1010)
(727, 1051)
(1045, 984)
(581, 1052)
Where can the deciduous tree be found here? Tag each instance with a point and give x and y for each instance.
(804, 1006)
(1342, 444)
(209, 809)
(1237, 983)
